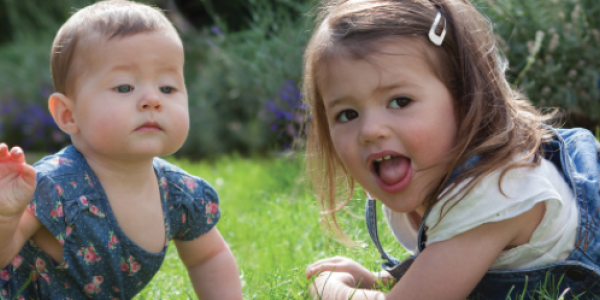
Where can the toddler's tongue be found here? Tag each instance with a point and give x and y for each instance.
(393, 170)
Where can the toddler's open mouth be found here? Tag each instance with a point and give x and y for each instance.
(392, 172)
(391, 168)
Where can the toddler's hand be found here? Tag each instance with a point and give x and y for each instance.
(333, 286)
(341, 264)
(17, 181)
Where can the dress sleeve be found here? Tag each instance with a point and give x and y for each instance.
(47, 206)
(195, 209)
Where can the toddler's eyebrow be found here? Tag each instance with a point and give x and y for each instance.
(379, 89)
(334, 103)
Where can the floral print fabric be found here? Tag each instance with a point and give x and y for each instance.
(99, 260)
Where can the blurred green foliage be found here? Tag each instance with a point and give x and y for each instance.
(232, 75)
(565, 72)
(241, 83)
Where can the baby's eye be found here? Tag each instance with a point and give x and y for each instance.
(400, 102)
(124, 88)
(166, 89)
(347, 115)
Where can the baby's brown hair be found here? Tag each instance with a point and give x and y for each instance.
(108, 19)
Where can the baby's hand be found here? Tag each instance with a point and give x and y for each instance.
(17, 181)
(341, 264)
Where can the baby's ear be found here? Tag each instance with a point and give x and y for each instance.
(61, 107)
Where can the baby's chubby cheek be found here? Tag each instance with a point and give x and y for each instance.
(180, 130)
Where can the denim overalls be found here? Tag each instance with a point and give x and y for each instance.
(576, 153)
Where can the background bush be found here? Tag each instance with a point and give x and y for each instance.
(243, 78)
(243, 85)
(565, 72)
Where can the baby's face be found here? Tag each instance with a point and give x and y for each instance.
(130, 100)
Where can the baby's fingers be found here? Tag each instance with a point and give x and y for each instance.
(29, 175)
(14, 161)
(4, 152)
(14, 155)
(17, 155)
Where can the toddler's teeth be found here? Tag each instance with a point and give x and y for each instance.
(387, 157)
(379, 159)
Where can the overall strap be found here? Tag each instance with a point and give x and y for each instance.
(395, 267)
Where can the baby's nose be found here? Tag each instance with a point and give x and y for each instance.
(150, 100)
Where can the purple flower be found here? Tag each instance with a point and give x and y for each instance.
(7, 108)
(30, 126)
(285, 113)
(216, 30)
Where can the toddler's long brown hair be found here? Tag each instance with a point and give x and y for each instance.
(494, 121)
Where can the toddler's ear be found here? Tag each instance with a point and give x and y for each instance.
(61, 108)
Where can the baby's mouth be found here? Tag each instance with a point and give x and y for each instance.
(391, 169)
(150, 125)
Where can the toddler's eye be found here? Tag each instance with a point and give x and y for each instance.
(166, 89)
(124, 88)
(347, 115)
(400, 102)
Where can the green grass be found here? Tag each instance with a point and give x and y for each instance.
(271, 222)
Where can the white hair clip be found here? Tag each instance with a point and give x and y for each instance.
(434, 38)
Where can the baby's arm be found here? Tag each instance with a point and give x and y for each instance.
(444, 270)
(211, 266)
(17, 186)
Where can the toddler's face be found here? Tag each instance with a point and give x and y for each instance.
(391, 121)
(130, 97)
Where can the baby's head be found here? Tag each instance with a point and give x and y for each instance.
(391, 37)
(94, 25)
(117, 69)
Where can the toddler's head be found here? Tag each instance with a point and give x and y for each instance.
(396, 112)
(117, 69)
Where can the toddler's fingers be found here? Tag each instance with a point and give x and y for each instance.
(335, 259)
(315, 266)
(326, 267)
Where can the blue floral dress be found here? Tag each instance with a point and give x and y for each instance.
(99, 260)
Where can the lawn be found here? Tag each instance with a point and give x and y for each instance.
(271, 222)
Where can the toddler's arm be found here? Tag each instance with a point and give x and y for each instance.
(362, 277)
(17, 186)
(444, 270)
(211, 266)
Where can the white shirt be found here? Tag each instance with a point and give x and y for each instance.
(553, 239)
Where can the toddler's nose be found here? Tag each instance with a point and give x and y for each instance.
(373, 128)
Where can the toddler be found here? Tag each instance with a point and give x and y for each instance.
(95, 219)
(409, 99)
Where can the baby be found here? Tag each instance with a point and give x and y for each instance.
(95, 219)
